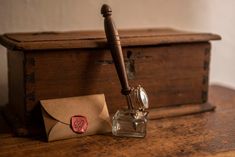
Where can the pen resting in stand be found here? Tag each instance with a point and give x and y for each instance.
(113, 39)
(131, 122)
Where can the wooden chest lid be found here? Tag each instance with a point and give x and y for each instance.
(97, 39)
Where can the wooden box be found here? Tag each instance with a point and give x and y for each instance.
(173, 67)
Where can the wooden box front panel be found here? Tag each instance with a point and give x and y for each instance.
(172, 74)
(16, 84)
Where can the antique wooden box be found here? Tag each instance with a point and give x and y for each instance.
(173, 66)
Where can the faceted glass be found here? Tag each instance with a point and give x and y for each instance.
(129, 123)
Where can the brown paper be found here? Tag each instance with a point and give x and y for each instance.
(57, 114)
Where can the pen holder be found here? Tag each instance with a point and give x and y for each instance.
(129, 123)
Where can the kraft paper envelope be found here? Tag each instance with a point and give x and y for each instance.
(57, 115)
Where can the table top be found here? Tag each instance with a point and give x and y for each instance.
(205, 134)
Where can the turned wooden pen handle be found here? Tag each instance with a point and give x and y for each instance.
(115, 47)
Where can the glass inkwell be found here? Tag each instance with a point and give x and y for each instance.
(130, 122)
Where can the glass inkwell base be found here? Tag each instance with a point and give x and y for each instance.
(129, 123)
(132, 122)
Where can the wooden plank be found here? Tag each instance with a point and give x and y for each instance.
(179, 110)
(96, 39)
(97, 34)
(16, 83)
(176, 72)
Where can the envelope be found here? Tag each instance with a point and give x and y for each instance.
(58, 115)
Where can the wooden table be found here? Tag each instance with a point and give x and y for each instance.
(206, 134)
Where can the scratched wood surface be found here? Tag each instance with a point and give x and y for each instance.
(206, 134)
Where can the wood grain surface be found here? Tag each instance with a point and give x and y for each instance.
(170, 74)
(96, 39)
(206, 134)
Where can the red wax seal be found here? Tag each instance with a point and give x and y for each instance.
(79, 124)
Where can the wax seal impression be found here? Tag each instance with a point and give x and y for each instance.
(79, 124)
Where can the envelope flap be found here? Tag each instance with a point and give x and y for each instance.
(92, 107)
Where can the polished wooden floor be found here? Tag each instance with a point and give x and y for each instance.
(206, 134)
